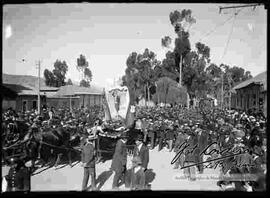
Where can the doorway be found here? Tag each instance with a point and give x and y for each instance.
(24, 106)
(34, 104)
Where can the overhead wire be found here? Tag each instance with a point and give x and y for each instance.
(215, 28)
(230, 34)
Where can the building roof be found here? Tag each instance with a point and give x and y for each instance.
(6, 92)
(71, 90)
(28, 85)
(26, 80)
(259, 79)
(22, 89)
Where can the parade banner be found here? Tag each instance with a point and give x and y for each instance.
(118, 102)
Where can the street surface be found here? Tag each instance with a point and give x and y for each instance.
(161, 176)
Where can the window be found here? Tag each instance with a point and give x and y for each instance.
(254, 99)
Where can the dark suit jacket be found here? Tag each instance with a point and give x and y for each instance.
(143, 154)
(202, 141)
(228, 144)
(190, 154)
(20, 179)
(170, 135)
(120, 156)
(88, 155)
(179, 141)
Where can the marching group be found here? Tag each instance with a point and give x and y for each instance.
(194, 139)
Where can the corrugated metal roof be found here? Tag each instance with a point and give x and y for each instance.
(260, 78)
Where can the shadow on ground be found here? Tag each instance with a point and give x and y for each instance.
(149, 178)
(102, 178)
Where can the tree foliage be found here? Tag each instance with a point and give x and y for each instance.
(59, 71)
(49, 78)
(139, 74)
(84, 83)
(83, 67)
(56, 78)
(69, 82)
(199, 75)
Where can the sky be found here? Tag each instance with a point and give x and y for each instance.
(107, 33)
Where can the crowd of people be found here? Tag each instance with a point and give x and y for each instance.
(193, 136)
(218, 134)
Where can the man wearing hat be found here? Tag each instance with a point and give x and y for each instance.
(170, 136)
(152, 135)
(137, 174)
(142, 151)
(227, 141)
(162, 136)
(179, 141)
(190, 156)
(119, 161)
(202, 144)
(88, 162)
(18, 178)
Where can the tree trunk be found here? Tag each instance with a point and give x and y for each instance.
(148, 93)
(146, 98)
(180, 71)
(188, 98)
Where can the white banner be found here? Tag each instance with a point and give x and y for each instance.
(118, 102)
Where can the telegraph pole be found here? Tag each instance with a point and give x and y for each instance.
(38, 64)
(222, 91)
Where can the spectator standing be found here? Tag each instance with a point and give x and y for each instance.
(88, 163)
(119, 161)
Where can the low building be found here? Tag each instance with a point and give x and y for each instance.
(26, 98)
(251, 94)
(75, 96)
(21, 93)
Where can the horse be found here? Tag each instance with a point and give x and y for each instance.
(50, 141)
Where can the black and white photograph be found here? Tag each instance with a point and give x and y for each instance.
(133, 96)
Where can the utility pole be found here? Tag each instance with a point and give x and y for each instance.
(180, 65)
(230, 87)
(222, 91)
(38, 64)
